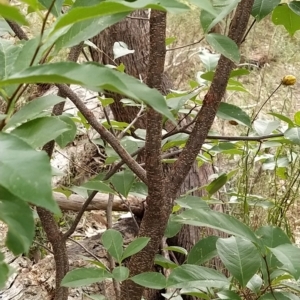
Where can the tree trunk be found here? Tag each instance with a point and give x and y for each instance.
(134, 32)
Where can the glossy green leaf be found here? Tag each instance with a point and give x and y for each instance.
(224, 45)
(177, 249)
(293, 134)
(255, 284)
(109, 8)
(265, 127)
(187, 276)
(206, 20)
(40, 131)
(283, 118)
(120, 273)
(135, 246)
(33, 109)
(222, 9)
(279, 296)
(231, 295)
(297, 118)
(113, 242)
(28, 170)
(85, 276)
(232, 112)
(220, 221)
(173, 227)
(8, 55)
(210, 60)
(295, 7)
(272, 236)
(122, 181)
(261, 8)
(192, 202)
(98, 186)
(151, 280)
(103, 78)
(164, 262)
(203, 251)
(17, 215)
(84, 30)
(69, 135)
(288, 255)
(240, 257)
(216, 184)
(4, 274)
(283, 15)
(10, 12)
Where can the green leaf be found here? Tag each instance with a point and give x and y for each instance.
(255, 284)
(225, 46)
(203, 251)
(12, 13)
(216, 220)
(229, 295)
(295, 7)
(99, 186)
(187, 276)
(84, 30)
(261, 8)
(40, 131)
(265, 127)
(164, 262)
(24, 171)
(8, 55)
(4, 274)
(113, 242)
(151, 280)
(33, 109)
(173, 227)
(109, 8)
(232, 112)
(297, 118)
(56, 9)
(120, 273)
(216, 184)
(288, 255)
(19, 219)
(68, 136)
(293, 134)
(170, 40)
(103, 78)
(192, 202)
(221, 10)
(283, 15)
(240, 257)
(279, 296)
(177, 249)
(272, 236)
(85, 276)
(122, 181)
(283, 118)
(135, 246)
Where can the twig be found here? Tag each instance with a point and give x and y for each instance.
(184, 46)
(105, 134)
(123, 132)
(85, 249)
(43, 246)
(68, 233)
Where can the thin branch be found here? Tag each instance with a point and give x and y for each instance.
(85, 249)
(123, 132)
(104, 133)
(184, 46)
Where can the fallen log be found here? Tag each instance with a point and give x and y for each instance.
(75, 202)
